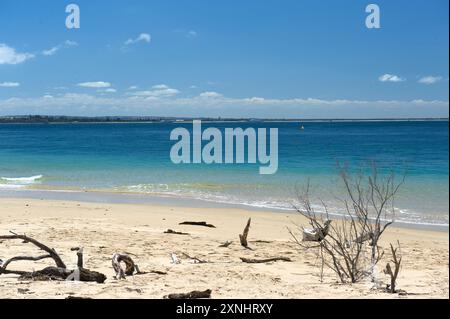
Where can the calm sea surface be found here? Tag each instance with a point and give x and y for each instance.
(135, 158)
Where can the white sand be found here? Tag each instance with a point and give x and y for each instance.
(103, 229)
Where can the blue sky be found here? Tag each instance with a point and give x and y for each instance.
(301, 59)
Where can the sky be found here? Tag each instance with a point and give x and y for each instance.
(203, 58)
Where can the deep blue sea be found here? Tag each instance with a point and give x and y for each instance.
(135, 158)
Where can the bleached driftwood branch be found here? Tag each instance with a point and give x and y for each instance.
(317, 233)
(130, 266)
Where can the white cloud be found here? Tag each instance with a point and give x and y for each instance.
(69, 43)
(9, 84)
(110, 90)
(133, 87)
(95, 85)
(66, 44)
(390, 78)
(159, 104)
(430, 79)
(9, 55)
(51, 51)
(160, 87)
(213, 95)
(187, 33)
(157, 91)
(143, 37)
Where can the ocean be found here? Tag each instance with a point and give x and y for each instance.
(135, 158)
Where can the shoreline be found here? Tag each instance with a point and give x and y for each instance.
(120, 197)
(105, 228)
(246, 120)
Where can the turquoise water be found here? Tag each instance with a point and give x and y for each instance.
(135, 158)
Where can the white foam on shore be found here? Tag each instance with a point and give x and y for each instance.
(22, 180)
(402, 216)
(18, 182)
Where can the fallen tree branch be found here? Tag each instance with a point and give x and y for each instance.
(226, 244)
(60, 272)
(58, 261)
(393, 274)
(29, 258)
(170, 231)
(204, 224)
(263, 261)
(195, 259)
(243, 236)
(191, 295)
(130, 266)
(55, 273)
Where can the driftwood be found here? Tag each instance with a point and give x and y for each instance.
(60, 272)
(263, 261)
(51, 252)
(157, 272)
(130, 266)
(191, 295)
(175, 259)
(396, 260)
(171, 231)
(204, 224)
(195, 259)
(316, 234)
(225, 244)
(243, 236)
(79, 251)
(55, 273)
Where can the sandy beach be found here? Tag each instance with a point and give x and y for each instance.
(138, 229)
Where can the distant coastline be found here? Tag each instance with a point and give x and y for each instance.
(56, 119)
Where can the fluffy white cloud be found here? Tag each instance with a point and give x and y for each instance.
(9, 84)
(430, 79)
(9, 55)
(390, 78)
(95, 85)
(143, 37)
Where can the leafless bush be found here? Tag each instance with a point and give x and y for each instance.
(343, 245)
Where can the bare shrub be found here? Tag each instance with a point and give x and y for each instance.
(350, 246)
